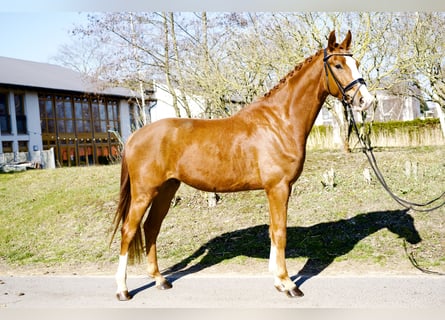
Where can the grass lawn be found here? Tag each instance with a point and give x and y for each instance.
(59, 220)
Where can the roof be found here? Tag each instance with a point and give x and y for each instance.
(31, 74)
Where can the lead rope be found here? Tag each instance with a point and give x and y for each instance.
(367, 150)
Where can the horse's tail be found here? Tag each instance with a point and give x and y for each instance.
(136, 246)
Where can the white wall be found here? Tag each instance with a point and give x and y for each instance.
(125, 119)
(164, 106)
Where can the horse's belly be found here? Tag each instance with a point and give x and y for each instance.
(219, 177)
(222, 186)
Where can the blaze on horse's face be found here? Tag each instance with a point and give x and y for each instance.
(345, 68)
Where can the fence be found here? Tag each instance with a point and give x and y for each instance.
(388, 134)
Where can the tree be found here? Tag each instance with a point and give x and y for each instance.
(230, 59)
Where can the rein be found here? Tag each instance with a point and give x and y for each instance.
(366, 144)
(419, 207)
(367, 150)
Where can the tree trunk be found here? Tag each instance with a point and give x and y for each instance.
(170, 87)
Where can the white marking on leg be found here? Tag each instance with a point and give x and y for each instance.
(273, 259)
(121, 274)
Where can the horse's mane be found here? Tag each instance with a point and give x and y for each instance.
(291, 74)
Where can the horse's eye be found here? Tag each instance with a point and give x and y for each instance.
(338, 66)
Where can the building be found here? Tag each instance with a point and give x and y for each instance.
(396, 107)
(45, 106)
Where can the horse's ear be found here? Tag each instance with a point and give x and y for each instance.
(347, 42)
(331, 41)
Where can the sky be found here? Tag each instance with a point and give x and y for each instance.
(35, 29)
(36, 36)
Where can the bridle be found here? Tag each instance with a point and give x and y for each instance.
(343, 90)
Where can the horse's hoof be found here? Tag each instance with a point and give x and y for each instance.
(165, 285)
(123, 296)
(292, 293)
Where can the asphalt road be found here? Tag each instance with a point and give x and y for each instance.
(224, 291)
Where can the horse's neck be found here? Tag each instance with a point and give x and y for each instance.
(301, 98)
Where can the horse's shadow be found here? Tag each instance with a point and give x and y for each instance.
(320, 243)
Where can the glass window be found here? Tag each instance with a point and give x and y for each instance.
(102, 112)
(20, 116)
(104, 126)
(60, 108)
(46, 114)
(69, 126)
(78, 108)
(51, 126)
(23, 146)
(49, 108)
(5, 119)
(61, 126)
(7, 146)
(68, 108)
(19, 105)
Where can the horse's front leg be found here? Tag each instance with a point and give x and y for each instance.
(278, 197)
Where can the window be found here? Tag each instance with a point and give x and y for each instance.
(78, 128)
(46, 107)
(23, 146)
(99, 115)
(64, 111)
(113, 116)
(20, 115)
(5, 119)
(82, 115)
(7, 146)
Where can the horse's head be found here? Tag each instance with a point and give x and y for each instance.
(343, 79)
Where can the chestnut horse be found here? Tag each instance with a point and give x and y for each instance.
(260, 147)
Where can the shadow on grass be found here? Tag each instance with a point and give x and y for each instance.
(320, 243)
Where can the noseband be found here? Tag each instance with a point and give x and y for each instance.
(343, 90)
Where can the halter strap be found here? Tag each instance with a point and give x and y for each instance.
(342, 89)
(326, 56)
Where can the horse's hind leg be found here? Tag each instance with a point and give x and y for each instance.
(152, 225)
(138, 206)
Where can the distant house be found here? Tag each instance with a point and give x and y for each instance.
(396, 108)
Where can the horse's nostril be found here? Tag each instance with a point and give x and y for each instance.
(362, 101)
